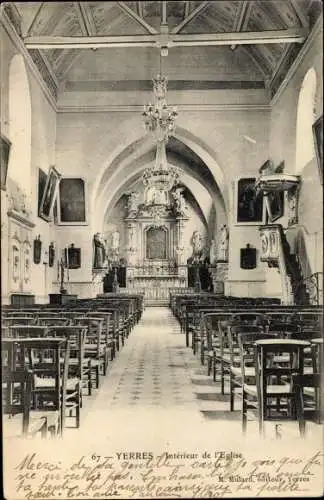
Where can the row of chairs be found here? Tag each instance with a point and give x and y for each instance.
(53, 357)
(271, 357)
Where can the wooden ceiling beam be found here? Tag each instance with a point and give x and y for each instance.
(81, 20)
(186, 10)
(35, 18)
(164, 16)
(130, 12)
(190, 17)
(140, 9)
(291, 35)
(242, 17)
(304, 21)
(88, 18)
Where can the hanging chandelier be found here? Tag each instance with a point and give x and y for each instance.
(159, 120)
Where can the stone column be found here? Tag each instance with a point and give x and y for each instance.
(179, 242)
(131, 228)
(180, 252)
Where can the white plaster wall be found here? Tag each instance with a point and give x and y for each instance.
(283, 147)
(43, 131)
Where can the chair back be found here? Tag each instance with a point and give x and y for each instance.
(16, 395)
(277, 374)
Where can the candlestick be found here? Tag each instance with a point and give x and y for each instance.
(67, 256)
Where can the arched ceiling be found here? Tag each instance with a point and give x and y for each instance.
(211, 44)
(127, 167)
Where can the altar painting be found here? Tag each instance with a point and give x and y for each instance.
(156, 243)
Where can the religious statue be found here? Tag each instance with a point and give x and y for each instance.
(17, 199)
(292, 207)
(132, 202)
(196, 242)
(179, 201)
(115, 237)
(99, 251)
(213, 253)
(222, 249)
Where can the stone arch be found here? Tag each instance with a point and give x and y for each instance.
(114, 175)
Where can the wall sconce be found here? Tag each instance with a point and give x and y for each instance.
(51, 255)
(248, 257)
(37, 250)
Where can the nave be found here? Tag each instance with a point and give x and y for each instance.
(157, 392)
(157, 398)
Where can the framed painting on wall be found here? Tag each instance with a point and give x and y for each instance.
(49, 194)
(5, 146)
(42, 178)
(249, 203)
(72, 204)
(318, 139)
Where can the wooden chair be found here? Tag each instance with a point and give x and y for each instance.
(79, 369)
(251, 318)
(272, 397)
(110, 332)
(53, 320)
(307, 389)
(95, 349)
(210, 324)
(21, 320)
(42, 356)
(236, 361)
(18, 417)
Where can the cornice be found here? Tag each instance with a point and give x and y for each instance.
(18, 43)
(295, 65)
(16, 216)
(137, 108)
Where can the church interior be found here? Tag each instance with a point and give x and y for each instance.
(161, 220)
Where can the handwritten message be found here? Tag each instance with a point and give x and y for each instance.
(179, 474)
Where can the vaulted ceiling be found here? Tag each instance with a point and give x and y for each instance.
(210, 44)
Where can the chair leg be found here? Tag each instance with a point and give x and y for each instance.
(89, 378)
(97, 369)
(78, 406)
(202, 353)
(299, 405)
(261, 419)
(214, 367)
(231, 392)
(244, 411)
(222, 376)
(209, 365)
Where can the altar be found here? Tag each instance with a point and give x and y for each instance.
(155, 249)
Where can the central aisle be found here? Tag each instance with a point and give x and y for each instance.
(148, 394)
(152, 370)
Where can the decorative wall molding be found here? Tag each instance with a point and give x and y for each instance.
(297, 62)
(131, 108)
(18, 43)
(18, 217)
(45, 71)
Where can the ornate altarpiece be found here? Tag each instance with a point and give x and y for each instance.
(155, 250)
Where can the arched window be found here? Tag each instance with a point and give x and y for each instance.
(305, 149)
(19, 168)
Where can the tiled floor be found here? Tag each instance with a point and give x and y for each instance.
(157, 398)
(156, 375)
